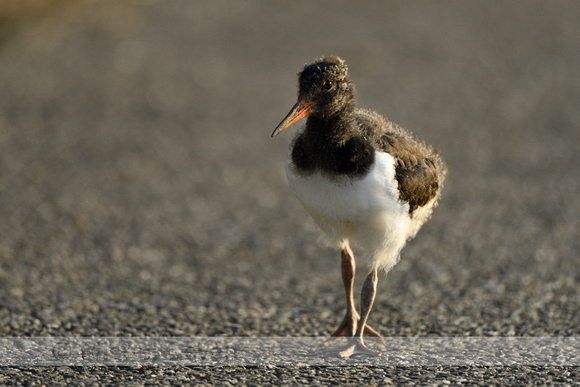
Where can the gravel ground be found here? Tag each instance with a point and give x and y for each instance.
(141, 193)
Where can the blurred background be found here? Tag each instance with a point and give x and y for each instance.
(141, 193)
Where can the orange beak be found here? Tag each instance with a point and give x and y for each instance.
(299, 111)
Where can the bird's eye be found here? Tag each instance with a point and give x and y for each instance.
(327, 85)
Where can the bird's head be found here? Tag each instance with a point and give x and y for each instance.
(324, 90)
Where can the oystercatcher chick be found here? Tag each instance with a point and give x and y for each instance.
(364, 180)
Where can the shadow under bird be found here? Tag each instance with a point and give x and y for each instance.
(363, 179)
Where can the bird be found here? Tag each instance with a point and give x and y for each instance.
(366, 182)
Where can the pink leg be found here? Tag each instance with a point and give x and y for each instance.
(368, 294)
(348, 268)
(350, 324)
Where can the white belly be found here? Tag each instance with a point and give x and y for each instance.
(365, 212)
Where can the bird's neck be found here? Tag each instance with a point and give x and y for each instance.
(333, 129)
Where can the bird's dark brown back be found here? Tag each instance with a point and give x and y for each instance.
(420, 170)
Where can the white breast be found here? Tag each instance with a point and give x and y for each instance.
(365, 212)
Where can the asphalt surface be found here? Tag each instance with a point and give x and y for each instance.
(141, 193)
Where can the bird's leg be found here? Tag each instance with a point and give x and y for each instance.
(367, 298)
(350, 323)
(348, 268)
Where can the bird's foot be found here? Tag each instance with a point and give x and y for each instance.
(348, 327)
(355, 346)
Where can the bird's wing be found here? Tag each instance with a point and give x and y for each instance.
(419, 169)
(416, 168)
